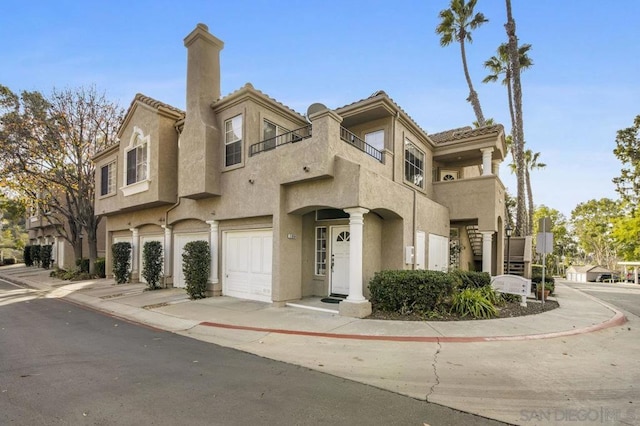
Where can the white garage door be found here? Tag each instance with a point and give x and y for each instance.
(247, 264)
(144, 239)
(180, 240)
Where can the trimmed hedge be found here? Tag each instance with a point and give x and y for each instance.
(471, 279)
(26, 254)
(100, 267)
(121, 261)
(45, 256)
(152, 263)
(410, 291)
(35, 254)
(196, 263)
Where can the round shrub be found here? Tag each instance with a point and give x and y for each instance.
(196, 263)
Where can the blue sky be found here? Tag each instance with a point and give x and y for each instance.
(582, 88)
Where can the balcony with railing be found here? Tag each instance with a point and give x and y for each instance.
(355, 141)
(293, 136)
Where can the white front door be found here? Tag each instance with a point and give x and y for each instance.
(247, 262)
(179, 241)
(340, 241)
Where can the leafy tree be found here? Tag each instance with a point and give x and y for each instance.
(628, 152)
(456, 24)
(593, 223)
(563, 239)
(47, 144)
(517, 130)
(626, 231)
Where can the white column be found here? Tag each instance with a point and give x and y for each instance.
(213, 244)
(496, 167)
(356, 223)
(486, 161)
(168, 255)
(135, 246)
(486, 251)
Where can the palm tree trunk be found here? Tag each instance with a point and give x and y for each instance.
(473, 96)
(530, 200)
(518, 128)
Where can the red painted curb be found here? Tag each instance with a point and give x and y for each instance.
(617, 319)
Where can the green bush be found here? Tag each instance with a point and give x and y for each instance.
(471, 279)
(196, 261)
(100, 267)
(83, 265)
(35, 255)
(121, 253)
(491, 295)
(549, 282)
(472, 302)
(9, 261)
(28, 260)
(45, 256)
(410, 291)
(152, 263)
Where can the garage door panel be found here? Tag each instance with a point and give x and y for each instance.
(248, 259)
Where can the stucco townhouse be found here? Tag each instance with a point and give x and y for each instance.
(297, 205)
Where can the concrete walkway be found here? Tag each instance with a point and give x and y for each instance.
(573, 364)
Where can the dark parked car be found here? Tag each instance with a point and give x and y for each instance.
(607, 278)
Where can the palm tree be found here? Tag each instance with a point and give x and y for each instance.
(500, 65)
(518, 128)
(456, 25)
(531, 163)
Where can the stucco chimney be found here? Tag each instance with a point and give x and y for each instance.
(199, 162)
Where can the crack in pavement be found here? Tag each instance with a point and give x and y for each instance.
(435, 372)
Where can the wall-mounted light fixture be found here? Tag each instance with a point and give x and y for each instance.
(251, 181)
(306, 169)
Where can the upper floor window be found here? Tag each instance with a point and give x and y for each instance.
(270, 132)
(137, 158)
(413, 164)
(375, 139)
(108, 179)
(233, 141)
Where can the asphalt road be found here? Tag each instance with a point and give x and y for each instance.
(64, 364)
(625, 297)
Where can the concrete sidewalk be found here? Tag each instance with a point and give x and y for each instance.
(487, 367)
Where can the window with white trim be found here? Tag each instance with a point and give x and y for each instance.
(137, 158)
(233, 141)
(375, 139)
(413, 164)
(321, 250)
(108, 179)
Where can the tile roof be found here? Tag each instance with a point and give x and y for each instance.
(382, 93)
(249, 86)
(464, 132)
(154, 104)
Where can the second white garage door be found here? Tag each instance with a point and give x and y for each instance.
(247, 264)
